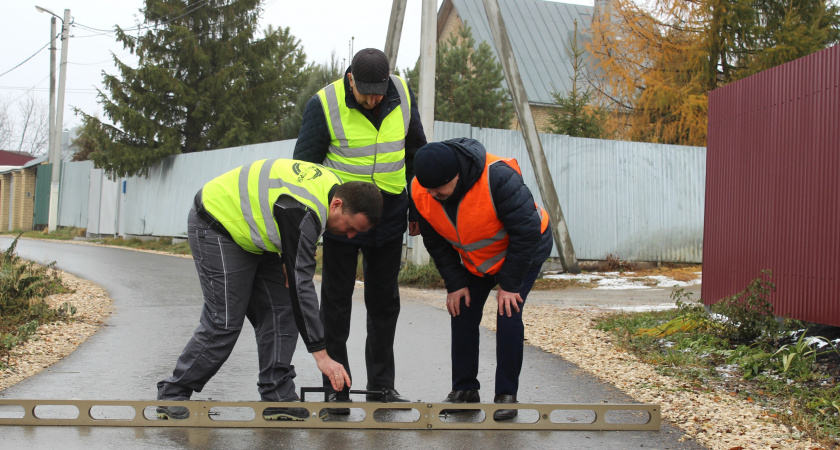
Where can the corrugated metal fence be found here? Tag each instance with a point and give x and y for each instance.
(773, 187)
(635, 201)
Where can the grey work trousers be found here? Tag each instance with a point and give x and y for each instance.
(236, 284)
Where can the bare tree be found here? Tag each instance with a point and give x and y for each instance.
(7, 127)
(35, 129)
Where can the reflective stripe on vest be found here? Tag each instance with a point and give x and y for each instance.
(360, 152)
(242, 200)
(478, 236)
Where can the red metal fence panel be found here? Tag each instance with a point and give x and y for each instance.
(773, 187)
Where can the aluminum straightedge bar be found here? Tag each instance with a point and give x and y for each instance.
(364, 415)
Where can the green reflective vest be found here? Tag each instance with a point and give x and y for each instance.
(243, 199)
(360, 152)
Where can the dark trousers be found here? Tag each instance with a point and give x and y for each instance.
(510, 337)
(381, 267)
(237, 284)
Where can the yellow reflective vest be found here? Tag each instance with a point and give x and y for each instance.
(243, 199)
(360, 152)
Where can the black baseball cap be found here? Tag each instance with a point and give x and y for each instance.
(370, 71)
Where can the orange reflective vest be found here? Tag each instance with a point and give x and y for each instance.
(478, 235)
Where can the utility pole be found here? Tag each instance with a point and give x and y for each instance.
(57, 125)
(426, 97)
(532, 140)
(392, 40)
(51, 144)
(428, 61)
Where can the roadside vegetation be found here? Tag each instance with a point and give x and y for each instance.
(739, 347)
(165, 245)
(24, 286)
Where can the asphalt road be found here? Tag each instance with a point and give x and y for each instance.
(157, 300)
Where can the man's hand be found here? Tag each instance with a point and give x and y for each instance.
(413, 228)
(508, 301)
(453, 301)
(332, 369)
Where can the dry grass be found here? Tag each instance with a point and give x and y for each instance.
(546, 284)
(684, 273)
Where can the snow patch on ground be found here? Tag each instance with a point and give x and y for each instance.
(643, 308)
(625, 280)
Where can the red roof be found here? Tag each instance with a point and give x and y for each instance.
(8, 158)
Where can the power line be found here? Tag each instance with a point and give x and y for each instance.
(40, 89)
(112, 33)
(149, 25)
(27, 59)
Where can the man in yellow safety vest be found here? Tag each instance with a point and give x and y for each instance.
(253, 233)
(365, 127)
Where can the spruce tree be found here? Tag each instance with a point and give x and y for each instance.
(468, 83)
(317, 76)
(748, 36)
(203, 81)
(654, 62)
(574, 114)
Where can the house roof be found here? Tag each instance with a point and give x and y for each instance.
(539, 31)
(10, 158)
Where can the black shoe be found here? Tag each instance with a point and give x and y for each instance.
(505, 414)
(339, 397)
(172, 412)
(462, 396)
(285, 414)
(390, 396)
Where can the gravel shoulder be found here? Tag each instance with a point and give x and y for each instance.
(716, 420)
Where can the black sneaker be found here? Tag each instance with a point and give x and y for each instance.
(172, 412)
(339, 397)
(285, 414)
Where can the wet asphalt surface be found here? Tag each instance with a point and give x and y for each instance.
(157, 301)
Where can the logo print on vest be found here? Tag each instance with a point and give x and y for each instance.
(305, 171)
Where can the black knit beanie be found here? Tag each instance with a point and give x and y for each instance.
(435, 164)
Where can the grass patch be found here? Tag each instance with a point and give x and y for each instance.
(161, 244)
(424, 276)
(678, 272)
(790, 367)
(60, 234)
(552, 284)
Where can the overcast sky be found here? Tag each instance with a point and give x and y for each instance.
(323, 27)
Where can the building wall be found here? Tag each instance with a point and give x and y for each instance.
(542, 118)
(773, 187)
(449, 25)
(5, 197)
(23, 208)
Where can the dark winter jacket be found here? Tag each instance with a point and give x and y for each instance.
(314, 140)
(515, 209)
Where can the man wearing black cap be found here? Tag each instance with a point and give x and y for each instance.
(482, 228)
(365, 127)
